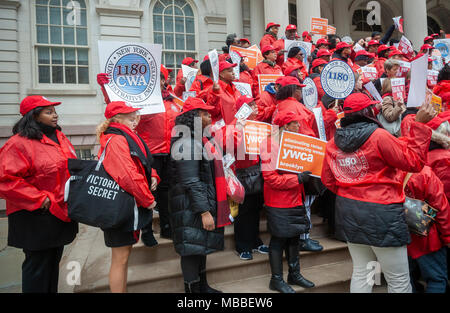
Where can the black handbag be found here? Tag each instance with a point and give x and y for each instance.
(251, 178)
(95, 199)
(314, 187)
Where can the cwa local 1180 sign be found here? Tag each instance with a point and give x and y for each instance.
(134, 72)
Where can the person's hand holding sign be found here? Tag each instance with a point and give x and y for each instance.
(426, 112)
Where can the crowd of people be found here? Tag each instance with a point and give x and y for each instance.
(362, 201)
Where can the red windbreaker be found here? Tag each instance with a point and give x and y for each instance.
(267, 40)
(320, 91)
(426, 186)
(439, 161)
(279, 45)
(379, 65)
(179, 87)
(246, 77)
(263, 68)
(223, 101)
(201, 86)
(375, 172)
(292, 62)
(126, 170)
(267, 104)
(32, 170)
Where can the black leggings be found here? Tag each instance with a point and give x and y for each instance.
(278, 244)
(192, 266)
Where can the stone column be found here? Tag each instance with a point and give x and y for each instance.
(415, 21)
(256, 21)
(341, 18)
(277, 11)
(234, 17)
(305, 10)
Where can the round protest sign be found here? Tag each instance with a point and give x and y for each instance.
(337, 79)
(309, 93)
(134, 72)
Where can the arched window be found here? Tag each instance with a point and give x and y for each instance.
(62, 42)
(174, 28)
(359, 20)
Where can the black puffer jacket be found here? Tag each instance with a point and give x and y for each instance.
(287, 222)
(374, 224)
(192, 192)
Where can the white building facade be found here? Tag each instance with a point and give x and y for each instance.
(49, 47)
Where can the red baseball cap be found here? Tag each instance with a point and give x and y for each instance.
(357, 102)
(428, 38)
(291, 27)
(372, 55)
(395, 52)
(291, 68)
(267, 48)
(224, 65)
(426, 46)
(322, 41)
(290, 80)
(342, 45)
(434, 35)
(305, 33)
(271, 25)
(32, 102)
(279, 80)
(382, 48)
(245, 39)
(195, 103)
(165, 71)
(284, 118)
(206, 58)
(362, 52)
(243, 99)
(118, 107)
(188, 61)
(323, 52)
(373, 43)
(318, 62)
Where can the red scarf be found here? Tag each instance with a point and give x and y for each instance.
(223, 208)
(130, 133)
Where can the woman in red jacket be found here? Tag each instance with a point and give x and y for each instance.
(364, 166)
(203, 82)
(132, 172)
(286, 214)
(33, 173)
(295, 58)
(267, 66)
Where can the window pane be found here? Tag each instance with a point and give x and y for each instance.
(179, 25)
(41, 15)
(44, 74)
(69, 56)
(69, 35)
(157, 23)
(55, 34)
(71, 75)
(180, 42)
(57, 74)
(83, 18)
(42, 2)
(190, 28)
(159, 38)
(81, 36)
(180, 58)
(180, 3)
(55, 2)
(178, 11)
(168, 23)
(42, 34)
(169, 44)
(169, 62)
(166, 2)
(159, 8)
(43, 55)
(188, 11)
(83, 75)
(55, 16)
(83, 58)
(190, 42)
(57, 56)
(169, 10)
(81, 2)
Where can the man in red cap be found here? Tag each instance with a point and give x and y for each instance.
(383, 52)
(295, 58)
(316, 69)
(270, 36)
(428, 40)
(361, 59)
(223, 95)
(323, 54)
(372, 46)
(321, 44)
(245, 43)
(426, 49)
(279, 45)
(343, 52)
(267, 66)
(181, 81)
(307, 36)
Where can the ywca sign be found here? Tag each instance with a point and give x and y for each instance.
(134, 71)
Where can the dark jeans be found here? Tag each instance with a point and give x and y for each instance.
(192, 266)
(40, 270)
(433, 269)
(246, 224)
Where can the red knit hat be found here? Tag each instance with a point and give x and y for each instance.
(118, 107)
(32, 102)
(284, 118)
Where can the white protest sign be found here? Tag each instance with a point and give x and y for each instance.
(373, 91)
(437, 62)
(337, 79)
(236, 59)
(187, 94)
(369, 73)
(404, 68)
(244, 88)
(443, 45)
(214, 60)
(309, 93)
(189, 73)
(419, 70)
(398, 88)
(432, 77)
(398, 21)
(320, 124)
(358, 47)
(134, 69)
(305, 47)
(244, 112)
(405, 46)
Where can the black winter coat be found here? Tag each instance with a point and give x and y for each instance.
(287, 222)
(192, 192)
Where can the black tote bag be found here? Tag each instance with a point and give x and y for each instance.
(95, 199)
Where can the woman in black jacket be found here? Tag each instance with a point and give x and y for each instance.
(193, 205)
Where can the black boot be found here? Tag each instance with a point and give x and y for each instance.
(192, 287)
(147, 236)
(276, 265)
(204, 287)
(294, 276)
(309, 245)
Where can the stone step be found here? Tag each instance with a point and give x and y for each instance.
(223, 267)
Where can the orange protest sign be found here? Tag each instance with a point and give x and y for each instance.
(250, 56)
(265, 79)
(338, 121)
(331, 30)
(260, 57)
(319, 25)
(299, 153)
(436, 101)
(254, 133)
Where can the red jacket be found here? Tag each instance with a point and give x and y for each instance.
(379, 65)
(281, 189)
(223, 101)
(201, 85)
(426, 186)
(279, 45)
(32, 170)
(263, 68)
(179, 87)
(267, 40)
(126, 170)
(374, 173)
(267, 104)
(320, 91)
(156, 129)
(292, 62)
(246, 77)
(439, 161)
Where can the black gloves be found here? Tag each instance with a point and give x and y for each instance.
(303, 178)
